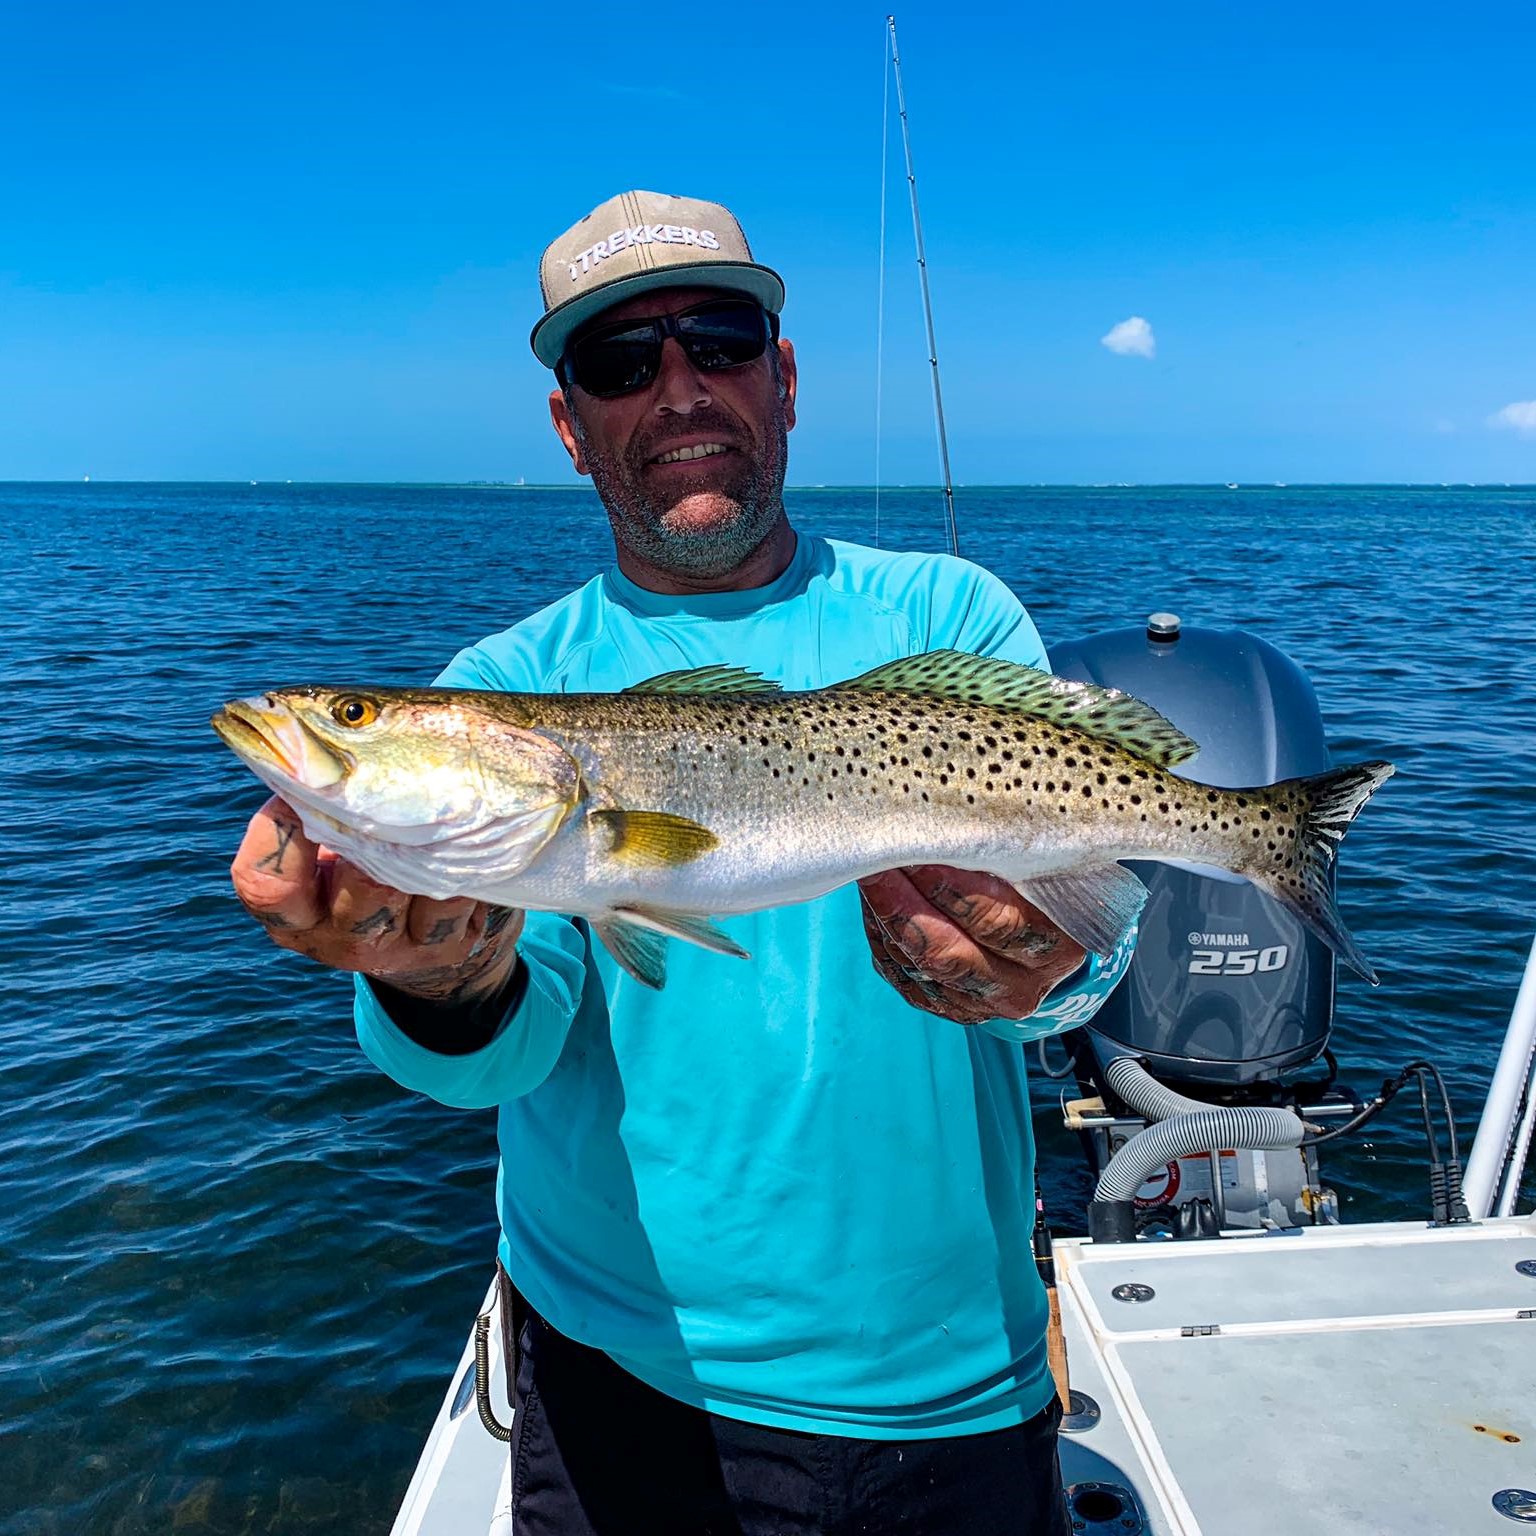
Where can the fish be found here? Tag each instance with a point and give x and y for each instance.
(708, 792)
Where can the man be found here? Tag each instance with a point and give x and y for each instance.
(772, 1223)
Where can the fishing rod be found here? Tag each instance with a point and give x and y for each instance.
(922, 272)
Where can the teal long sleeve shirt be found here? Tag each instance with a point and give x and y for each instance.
(773, 1189)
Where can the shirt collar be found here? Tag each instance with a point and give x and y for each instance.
(790, 582)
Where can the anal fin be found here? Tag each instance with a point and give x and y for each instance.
(1094, 905)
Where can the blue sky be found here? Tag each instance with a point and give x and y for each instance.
(300, 241)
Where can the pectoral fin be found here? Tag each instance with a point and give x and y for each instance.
(1094, 906)
(655, 839)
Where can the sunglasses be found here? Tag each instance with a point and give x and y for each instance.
(618, 359)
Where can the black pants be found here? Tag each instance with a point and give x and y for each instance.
(596, 1452)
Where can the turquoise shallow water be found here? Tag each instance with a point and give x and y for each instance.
(238, 1264)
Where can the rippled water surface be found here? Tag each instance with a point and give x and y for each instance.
(237, 1263)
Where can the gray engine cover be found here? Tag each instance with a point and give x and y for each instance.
(1226, 988)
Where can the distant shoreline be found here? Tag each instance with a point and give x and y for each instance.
(1032, 485)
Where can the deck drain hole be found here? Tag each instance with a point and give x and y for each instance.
(1098, 1504)
(1103, 1507)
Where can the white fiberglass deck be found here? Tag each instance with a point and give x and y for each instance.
(1370, 1379)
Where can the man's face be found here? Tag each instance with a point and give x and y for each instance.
(697, 516)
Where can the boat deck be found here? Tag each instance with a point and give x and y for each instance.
(1367, 1379)
(1337, 1381)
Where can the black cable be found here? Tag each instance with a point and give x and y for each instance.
(1447, 1204)
(1388, 1092)
(1430, 1139)
(1445, 1102)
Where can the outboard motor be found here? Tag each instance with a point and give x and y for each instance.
(1227, 991)
(1227, 988)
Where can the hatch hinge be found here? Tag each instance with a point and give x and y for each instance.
(1200, 1330)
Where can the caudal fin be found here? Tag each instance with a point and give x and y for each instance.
(1330, 802)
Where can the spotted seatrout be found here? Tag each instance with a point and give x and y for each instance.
(710, 792)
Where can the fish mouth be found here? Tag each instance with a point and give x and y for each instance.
(266, 735)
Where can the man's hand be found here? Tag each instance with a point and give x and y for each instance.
(965, 946)
(309, 900)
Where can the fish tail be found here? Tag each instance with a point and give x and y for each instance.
(1329, 802)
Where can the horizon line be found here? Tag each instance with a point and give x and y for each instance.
(960, 485)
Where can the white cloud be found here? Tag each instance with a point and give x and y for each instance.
(1519, 417)
(1131, 338)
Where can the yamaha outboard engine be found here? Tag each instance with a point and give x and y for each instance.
(1227, 988)
(1227, 991)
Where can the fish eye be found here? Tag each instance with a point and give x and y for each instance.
(354, 711)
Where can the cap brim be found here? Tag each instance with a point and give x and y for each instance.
(554, 330)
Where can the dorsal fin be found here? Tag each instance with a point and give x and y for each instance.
(1105, 713)
(716, 679)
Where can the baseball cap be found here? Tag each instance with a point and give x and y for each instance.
(635, 242)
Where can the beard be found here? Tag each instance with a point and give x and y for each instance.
(707, 529)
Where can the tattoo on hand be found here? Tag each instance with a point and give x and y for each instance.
(380, 922)
(274, 860)
(1037, 941)
(951, 902)
(270, 919)
(442, 930)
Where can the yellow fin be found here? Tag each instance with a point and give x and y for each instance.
(656, 838)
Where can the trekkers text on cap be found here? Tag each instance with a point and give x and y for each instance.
(635, 242)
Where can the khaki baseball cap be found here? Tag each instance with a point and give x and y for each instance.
(635, 242)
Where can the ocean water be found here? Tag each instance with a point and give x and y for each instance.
(236, 1264)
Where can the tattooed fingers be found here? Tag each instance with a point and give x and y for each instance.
(363, 909)
(275, 871)
(435, 923)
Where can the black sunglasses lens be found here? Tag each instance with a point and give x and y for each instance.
(723, 335)
(618, 362)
